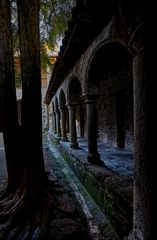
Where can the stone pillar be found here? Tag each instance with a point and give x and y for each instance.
(81, 120)
(72, 125)
(120, 120)
(92, 131)
(63, 125)
(58, 124)
(47, 117)
(54, 123)
(144, 226)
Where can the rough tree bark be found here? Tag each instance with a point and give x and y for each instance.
(25, 163)
(31, 116)
(8, 103)
(35, 208)
(28, 209)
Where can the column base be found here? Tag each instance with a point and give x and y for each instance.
(58, 135)
(95, 159)
(74, 145)
(64, 139)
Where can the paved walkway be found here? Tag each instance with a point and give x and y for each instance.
(119, 160)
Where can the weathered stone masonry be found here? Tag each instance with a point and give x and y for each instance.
(112, 81)
(107, 84)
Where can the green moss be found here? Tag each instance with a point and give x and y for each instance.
(93, 188)
(105, 197)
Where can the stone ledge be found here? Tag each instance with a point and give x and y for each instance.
(112, 193)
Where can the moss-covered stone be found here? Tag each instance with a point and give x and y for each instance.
(111, 192)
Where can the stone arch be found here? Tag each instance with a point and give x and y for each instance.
(62, 100)
(110, 74)
(103, 60)
(74, 90)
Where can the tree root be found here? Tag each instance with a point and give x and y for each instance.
(35, 211)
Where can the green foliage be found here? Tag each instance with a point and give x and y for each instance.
(14, 27)
(54, 16)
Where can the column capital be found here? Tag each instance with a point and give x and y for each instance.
(72, 105)
(62, 109)
(90, 98)
(136, 42)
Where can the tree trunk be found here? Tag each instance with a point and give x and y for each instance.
(8, 102)
(32, 202)
(31, 117)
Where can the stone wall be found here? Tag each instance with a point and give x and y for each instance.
(107, 110)
(106, 71)
(112, 193)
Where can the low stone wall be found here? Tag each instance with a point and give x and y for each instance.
(112, 193)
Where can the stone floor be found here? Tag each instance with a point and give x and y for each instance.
(118, 160)
(110, 185)
(78, 222)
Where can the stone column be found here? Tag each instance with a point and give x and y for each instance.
(120, 120)
(58, 124)
(54, 122)
(144, 226)
(72, 125)
(63, 125)
(47, 117)
(92, 131)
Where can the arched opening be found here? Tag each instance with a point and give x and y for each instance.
(62, 100)
(110, 78)
(74, 97)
